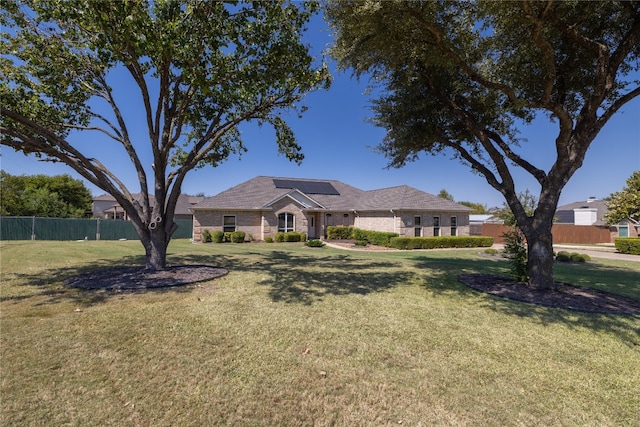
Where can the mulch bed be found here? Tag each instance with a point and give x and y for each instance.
(565, 296)
(137, 278)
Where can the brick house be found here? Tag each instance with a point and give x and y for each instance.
(265, 205)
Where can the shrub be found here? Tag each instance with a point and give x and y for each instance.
(315, 243)
(339, 232)
(268, 239)
(440, 242)
(293, 236)
(218, 237)
(491, 251)
(361, 243)
(279, 237)
(563, 256)
(515, 250)
(628, 245)
(237, 237)
(206, 236)
(579, 257)
(227, 236)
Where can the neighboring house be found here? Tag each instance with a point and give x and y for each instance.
(264, 205)
(591, 212)
(106, 207)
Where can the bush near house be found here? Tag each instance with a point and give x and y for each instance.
(237, 237)
(206, 236)
(217, 237)
(340, 233)
(628, 245)
(441, 242)
(379, 238)
(290, 236)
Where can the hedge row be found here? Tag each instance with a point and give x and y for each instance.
(379, 238)
(628, 245)
(441, 242)
(222, 237)
(290, 236)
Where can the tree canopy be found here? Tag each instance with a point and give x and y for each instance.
(625, 204)
(197, 70)
(58, 196)
(460, 77)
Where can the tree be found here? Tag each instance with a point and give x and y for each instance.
(461, 76)
(625, 204)
(198, 70)
(59, 196)
(444, 194)
(478, 208)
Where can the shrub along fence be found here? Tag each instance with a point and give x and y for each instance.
(36, 228)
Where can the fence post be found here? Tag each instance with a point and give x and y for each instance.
(33, 228)
(98, 229)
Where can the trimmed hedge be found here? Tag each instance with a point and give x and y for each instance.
(441, 242)
(379, 238)
(217, 237)
(290, 236)
(339, 232)
(628, 245)
(237, 237)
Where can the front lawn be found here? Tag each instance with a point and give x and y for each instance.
(307, 336)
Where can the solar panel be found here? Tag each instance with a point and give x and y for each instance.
(307, 187)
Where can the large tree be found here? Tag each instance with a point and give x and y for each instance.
(196, 69)
(625, 204)
(59, 196)
(462, 76)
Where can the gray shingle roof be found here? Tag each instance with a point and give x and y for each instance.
(565, 213)
(259, 192)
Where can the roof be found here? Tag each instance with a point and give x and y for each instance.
(183, 204)
(565, 213)
(262, 191)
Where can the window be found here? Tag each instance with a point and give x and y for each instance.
(229, 223)
(345, 220)
(417, 223)
(436, 226)
(285, 222)
(623, 229)
(454, 226)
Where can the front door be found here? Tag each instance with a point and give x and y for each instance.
(311, 226)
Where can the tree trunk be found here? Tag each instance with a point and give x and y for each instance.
(540, 257)
(155, 247)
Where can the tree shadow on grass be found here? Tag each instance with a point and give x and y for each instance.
(624, 326)
(309, 278)
(47, 287)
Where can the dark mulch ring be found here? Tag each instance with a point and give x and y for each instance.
(566, 296)
(137, 278)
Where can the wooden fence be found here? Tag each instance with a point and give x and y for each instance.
(562, 233)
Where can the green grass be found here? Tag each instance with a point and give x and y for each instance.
(302, 336)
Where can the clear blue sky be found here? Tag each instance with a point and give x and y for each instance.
(336, 141)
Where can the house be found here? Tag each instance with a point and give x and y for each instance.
(266, 205)
(105, 206)
(591, 213)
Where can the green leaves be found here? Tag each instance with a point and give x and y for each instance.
(625, 204)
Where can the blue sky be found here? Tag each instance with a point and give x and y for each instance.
(337, 141)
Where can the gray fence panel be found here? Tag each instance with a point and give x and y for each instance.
(116, 229)
(15, 228)
(65, 229)
(26, 228)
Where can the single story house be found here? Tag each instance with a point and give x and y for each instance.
(106, 207)
(265, 205)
